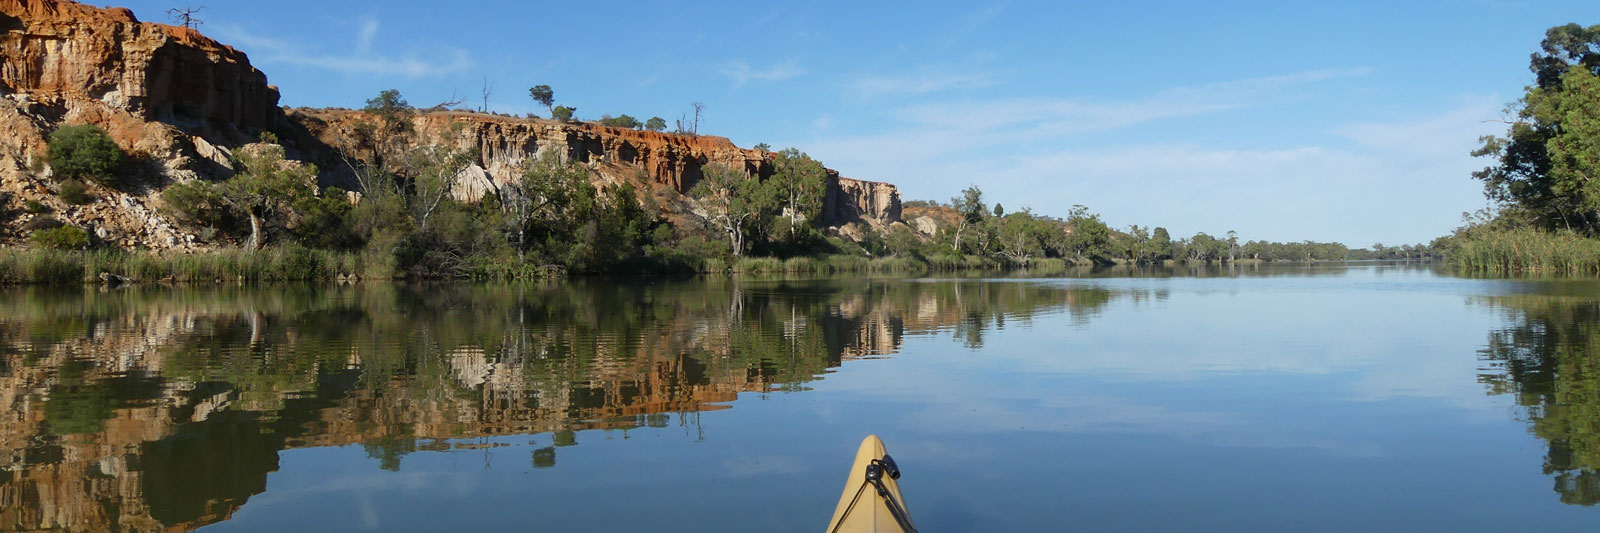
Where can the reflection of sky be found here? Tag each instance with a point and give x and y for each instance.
(1346, 402)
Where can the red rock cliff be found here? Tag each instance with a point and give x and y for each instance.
(61, 53)
(654, 160)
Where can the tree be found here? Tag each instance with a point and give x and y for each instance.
(544, 197)
(431, 171)
(800, 184)
(730, 202)
(620, 121)
(1021, 236)
(655, 124)
(969, 211)
(488, 88)
(394, 124)
(1546, 168)
(1088, 236)
(267, 189)
(563, 113)
(84, 151)
(543, 95)
(1159, 247)
(184, 16)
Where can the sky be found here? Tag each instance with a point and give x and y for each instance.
(1284, 121)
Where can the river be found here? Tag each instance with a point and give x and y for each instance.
(1366, 397)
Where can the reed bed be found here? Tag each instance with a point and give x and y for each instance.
(1528, 250)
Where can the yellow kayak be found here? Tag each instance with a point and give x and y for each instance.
(871, 500)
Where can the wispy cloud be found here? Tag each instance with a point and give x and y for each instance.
(362, 61)
(1051, 152)
(1058, 116)
(369, 31)
(921, 82)
(977, 20)
(742, 73)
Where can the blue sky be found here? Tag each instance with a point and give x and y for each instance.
(1344, 121)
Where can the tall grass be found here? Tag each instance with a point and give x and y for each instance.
(1527, 250)
(287, 263)
(832, 264)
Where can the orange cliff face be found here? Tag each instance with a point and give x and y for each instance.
(179, 101)
(65, 55)
(664, 162)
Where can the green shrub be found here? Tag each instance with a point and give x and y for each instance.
(74, 192)
(34, 207)
(85, 151)
(61, 238)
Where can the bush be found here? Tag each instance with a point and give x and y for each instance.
(34, 207)
(39, 223)
(74, 192)
(61, 238)
(85, 151)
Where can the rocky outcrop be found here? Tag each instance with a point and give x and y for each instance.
(63, 54)
(170, 97)
(851, 200)
(178, 102)
(662, 162)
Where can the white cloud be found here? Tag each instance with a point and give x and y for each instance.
(369, 31)
(1401, 180)
(362, 61)
(742, 73)
(922, 82)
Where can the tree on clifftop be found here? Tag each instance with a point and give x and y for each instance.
(655, 124)
(543, 95)
(563, 113)
(1547, 166)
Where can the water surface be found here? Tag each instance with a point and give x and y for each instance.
(1363, 397)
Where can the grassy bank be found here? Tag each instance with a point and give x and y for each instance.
(46, 266)
(1526, 250)
(42, 266)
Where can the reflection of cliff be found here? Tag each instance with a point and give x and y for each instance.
(1549, 359)
(152, 409)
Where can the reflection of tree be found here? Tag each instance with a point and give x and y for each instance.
(1549, 359)
(207, 386)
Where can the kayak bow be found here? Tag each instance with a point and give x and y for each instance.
(871, 501)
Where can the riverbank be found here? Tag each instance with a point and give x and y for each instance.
(41, 266)
(1525, 250)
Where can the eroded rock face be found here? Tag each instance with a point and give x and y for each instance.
(63, 54)
(178, 103)
(170, 97)
(650, 160)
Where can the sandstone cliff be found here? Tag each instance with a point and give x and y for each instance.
(178, 103)
(666, 164)
(169, 96)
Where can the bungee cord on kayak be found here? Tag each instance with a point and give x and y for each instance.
(873, 464)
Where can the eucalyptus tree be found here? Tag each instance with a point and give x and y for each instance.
(1546, 167)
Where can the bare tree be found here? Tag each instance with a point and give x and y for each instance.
(487, 89)
(447, 104)
(184, 16)
(698, 108)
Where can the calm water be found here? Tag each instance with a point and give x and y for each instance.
(1303, 398)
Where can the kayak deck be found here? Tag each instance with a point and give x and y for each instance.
(862, 508)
